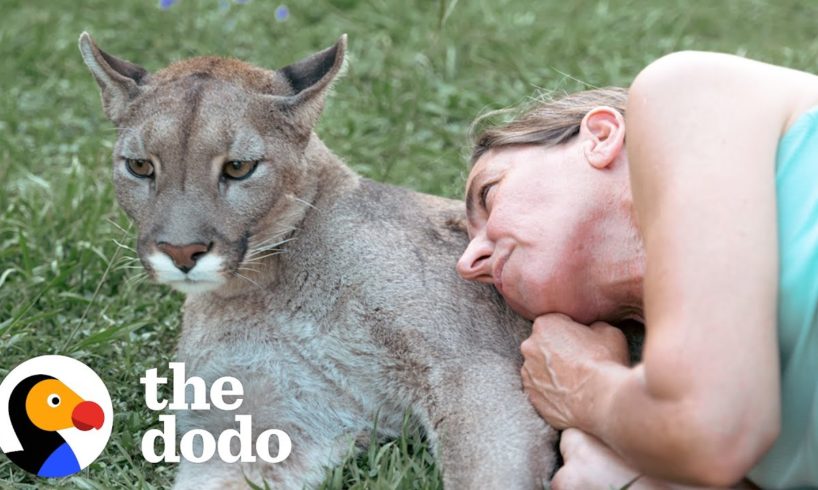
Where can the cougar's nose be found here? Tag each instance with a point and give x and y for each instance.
(184, 256)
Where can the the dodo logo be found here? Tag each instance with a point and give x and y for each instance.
(55, 416)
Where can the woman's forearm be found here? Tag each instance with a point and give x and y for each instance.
(667, 439)
(671, 417)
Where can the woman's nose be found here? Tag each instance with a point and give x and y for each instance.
(474, 264)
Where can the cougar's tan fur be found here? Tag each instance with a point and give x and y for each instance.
(333, 298)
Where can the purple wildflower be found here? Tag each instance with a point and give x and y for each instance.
(241, 2)
(282, 13)
(166, 4)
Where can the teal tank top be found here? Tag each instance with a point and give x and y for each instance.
(793, 460)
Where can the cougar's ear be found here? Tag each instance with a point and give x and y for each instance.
(311, 77)
(119, 81)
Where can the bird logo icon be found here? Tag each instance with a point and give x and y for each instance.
(57, 413)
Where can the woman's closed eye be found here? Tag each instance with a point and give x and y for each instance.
(484, 195)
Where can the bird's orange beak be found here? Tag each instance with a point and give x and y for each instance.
(87, 416)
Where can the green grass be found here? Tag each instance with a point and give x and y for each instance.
(419, 72)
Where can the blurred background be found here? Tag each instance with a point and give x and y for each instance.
(419, 72)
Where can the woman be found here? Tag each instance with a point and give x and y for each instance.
(706, 229)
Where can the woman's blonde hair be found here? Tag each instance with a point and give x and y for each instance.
(548, 122)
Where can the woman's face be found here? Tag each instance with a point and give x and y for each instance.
(533, 219)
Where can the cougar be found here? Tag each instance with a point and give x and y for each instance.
(331, 297)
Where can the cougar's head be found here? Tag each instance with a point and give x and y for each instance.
(209, 160)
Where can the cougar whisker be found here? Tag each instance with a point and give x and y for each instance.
(257, 250)
(250, 269)
(255, 259)
(268, 241)
(242, 276)
(301, 201)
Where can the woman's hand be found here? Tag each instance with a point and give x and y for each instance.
(561, 358)
(589, 464)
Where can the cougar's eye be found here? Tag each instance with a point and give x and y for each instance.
(239, 170)
(139, 167)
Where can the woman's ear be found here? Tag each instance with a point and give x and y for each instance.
(603, 134)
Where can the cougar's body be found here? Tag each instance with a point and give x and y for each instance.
(333, 298)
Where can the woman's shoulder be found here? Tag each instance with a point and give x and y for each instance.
(784, 93)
